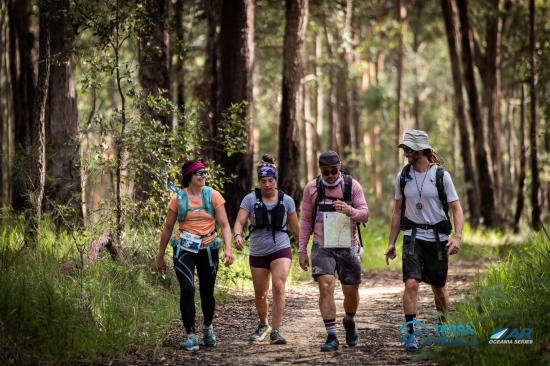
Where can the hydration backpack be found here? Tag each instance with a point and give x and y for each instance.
(321, 207)
(262, 214)
(445, 226)
(183, 209)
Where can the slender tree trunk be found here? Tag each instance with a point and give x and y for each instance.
(485, 178)
(208, 90)
(236, 65)
(289, 143)
(37, 171)
(401, 15)
(62, 116)
(343, 92)
(3, 150)
(177, 48)
(320, 99)
(520, 200)
(23, 81)
(308, 134)
(333, 121)
(465, 146)
(536, 213)
(154, 73)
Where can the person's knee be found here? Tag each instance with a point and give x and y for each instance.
(278, 288)
(439, 290)
(411, 284)
(261, 295)
(326, 287)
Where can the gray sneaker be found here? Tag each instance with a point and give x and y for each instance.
(276, 338)
(261, 331)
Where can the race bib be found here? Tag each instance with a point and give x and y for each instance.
(190, 242)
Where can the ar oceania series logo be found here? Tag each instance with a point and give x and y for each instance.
(515, 336)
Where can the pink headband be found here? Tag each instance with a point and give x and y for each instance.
(192, 169)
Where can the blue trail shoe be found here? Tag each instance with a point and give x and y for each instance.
(351, 335)
(276, 338)
(190, 344)
(411, 343)
(209, 338)
(331, 344)
(261, 331)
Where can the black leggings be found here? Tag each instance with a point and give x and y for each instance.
(185, 270)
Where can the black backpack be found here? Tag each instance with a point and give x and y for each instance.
(262, 214)
(446, 226)
(348, 181)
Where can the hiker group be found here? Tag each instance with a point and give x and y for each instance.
(332, 204)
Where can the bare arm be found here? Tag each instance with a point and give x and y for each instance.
(394, 231)
(171, 218)
(221, 217)
(240, 222)
(292, 220)
(458, 219)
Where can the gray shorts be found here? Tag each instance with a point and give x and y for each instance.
(346, 262)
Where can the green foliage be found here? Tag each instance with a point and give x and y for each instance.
(513, 293)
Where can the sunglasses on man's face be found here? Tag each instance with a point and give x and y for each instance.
(408, 150)
(200, 173)
(326, 172)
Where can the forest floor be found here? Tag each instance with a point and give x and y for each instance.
(378, 320)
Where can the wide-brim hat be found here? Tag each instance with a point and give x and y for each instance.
(416, 140)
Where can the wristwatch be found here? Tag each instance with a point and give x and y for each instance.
(238, 234)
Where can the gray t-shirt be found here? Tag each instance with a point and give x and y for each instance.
(261, 240)
(432, 209)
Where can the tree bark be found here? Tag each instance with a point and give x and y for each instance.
(236, 64)
(520, 200)
(320, 100)
(536, 212)
(62, 116)
(333, 122)
(23, 80)
(465, 146)
(401, 15)
(180, 53)
(37, 171)
(3, 149)
(485, 178)
(289, 143)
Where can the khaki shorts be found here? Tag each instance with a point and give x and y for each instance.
(346, 262)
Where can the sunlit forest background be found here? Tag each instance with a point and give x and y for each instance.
(92, 90)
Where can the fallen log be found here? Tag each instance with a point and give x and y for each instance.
(106, 241)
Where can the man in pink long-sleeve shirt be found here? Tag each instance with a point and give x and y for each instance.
(327, 261)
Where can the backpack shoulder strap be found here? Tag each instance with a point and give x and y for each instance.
(207, 201)
(318, 185)
(183, 205)
(281, 196)
(441, 189)
(348, 182)
(403, 179)
(258, 193)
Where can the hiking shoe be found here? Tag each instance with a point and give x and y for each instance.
(331, 344)
(276, 338)
(411, 343)
(209, 338)
(261, 331)
(351, 335)
(190, 344)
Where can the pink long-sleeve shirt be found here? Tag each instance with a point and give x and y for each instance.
(358, 213)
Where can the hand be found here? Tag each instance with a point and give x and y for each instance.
(454, 246)
(304, 262)
(239, 242)
(161, 265)
(227, 257)
(390, 253)
(341, 207)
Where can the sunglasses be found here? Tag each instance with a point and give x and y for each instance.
(266, 164)
(328, 172)
(200, 173)
(408, 150)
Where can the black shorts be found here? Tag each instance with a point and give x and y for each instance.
(423, 264)
(264, 261)
(344, 261)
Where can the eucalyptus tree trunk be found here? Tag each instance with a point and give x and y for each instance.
(333, 121)
(536, 213)
(520, 200)
(154, 72)
(37, 171)
(208, 89)
(62, 113)
(289, 142)
(177, 47)
(482, 157)
(22, 56)
(401, 15)
(320, 99)
(465, 146)
(3, 148)
(236, 64)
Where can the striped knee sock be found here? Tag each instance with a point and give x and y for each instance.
(330, 326)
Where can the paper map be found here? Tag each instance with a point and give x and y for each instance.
(337, 230)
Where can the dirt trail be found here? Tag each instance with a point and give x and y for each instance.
(378, 319)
